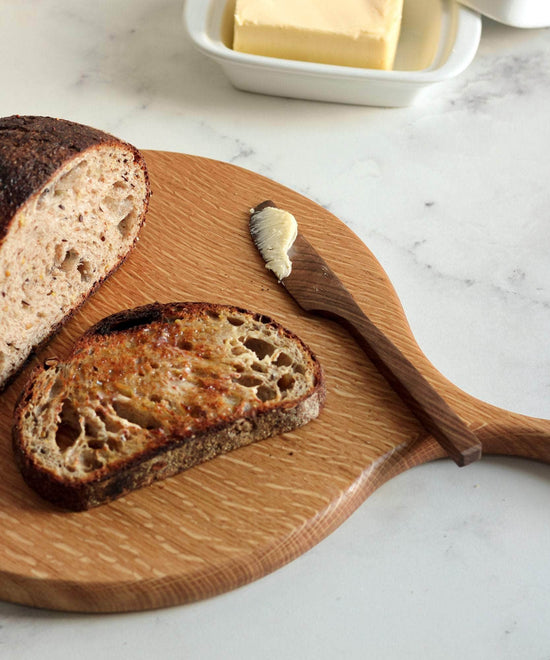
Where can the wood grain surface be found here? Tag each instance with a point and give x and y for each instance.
(242, 515)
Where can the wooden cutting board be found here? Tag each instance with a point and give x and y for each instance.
(242, 515)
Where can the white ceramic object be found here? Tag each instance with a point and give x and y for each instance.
(439, 39)
(518, 13)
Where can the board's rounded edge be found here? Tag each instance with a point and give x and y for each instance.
(117, 597)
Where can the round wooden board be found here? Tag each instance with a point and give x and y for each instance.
(242, 515)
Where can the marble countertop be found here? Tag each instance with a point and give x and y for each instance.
(452, 197)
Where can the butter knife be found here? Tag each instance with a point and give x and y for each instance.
(316, 289)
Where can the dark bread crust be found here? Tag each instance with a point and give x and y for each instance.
(33, 148)
(164, 312)
(182, 449)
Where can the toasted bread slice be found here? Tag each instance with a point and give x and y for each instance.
(72, 202)
(149, 392)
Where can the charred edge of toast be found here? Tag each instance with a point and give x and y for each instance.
(167, 312)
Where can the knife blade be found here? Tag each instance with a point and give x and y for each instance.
(318, 290)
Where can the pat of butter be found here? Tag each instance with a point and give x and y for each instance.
(358, 33)
(273, 232)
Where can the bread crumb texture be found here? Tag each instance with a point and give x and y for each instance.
(207, 372)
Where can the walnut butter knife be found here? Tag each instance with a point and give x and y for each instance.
(313, 285)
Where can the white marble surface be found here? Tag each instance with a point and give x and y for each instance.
(452, 196)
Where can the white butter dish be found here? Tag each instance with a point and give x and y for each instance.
(517, 13)
(438, 40)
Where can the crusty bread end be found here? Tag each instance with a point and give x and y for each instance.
(72, 202)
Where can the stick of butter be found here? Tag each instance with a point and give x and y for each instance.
(358, 33)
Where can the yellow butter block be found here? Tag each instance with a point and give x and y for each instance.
(358, 33)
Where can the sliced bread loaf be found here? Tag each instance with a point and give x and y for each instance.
(72, 201)
(150, 392)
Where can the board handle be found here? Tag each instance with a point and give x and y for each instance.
(460, 425)
(502, 432)
(424, 401)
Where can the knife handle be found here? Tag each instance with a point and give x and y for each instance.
(316, 288)
(429, 407)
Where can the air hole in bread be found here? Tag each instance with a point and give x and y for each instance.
(286, 382)
(69, 414)
(70, 178)
(71, 261)
(117, 207)
(258, 366)
(133, 413)
(95, 443)
(85, 270)
(90, 461)
(126, 225)
(235, 320)
(213, 315)
(66, 259)
(56, 389)
(184, 344)
(114, 444)
(68, 430)
(266, 393)
(92, 428)
(109, 422)
(249, 381)
(283, 360)
(260, 347)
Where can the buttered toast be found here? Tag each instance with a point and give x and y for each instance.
(149, 392)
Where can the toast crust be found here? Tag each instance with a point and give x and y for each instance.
(175, 442)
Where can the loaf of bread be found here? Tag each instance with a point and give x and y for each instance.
(149, 392)
(72, 201)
